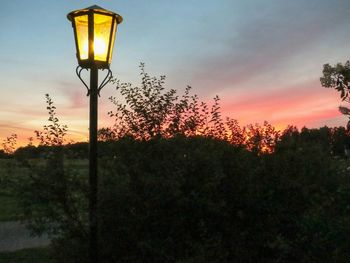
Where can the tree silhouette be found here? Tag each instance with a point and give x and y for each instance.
(150, 111)
(338, 78)
(189, 186)
(53, 197)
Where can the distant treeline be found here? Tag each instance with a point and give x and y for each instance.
(259, 139)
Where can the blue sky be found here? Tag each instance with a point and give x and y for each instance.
(263, 58)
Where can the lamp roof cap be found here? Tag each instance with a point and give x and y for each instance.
(94, 7)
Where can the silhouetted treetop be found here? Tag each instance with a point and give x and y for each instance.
(54, 133)
(338, 78)
(149, 111)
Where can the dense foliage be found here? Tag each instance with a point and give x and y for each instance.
(196, 199)
(204, 200)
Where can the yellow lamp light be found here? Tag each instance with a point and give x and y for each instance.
(94, 30)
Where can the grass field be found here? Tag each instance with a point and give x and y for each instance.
(8, 204)
(9, 169)
(33, 255)
(8, 208)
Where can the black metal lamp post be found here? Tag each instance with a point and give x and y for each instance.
(94, 30)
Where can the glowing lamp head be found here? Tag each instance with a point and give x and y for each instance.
(94, 30)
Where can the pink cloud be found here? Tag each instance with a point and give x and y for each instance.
(299, 105)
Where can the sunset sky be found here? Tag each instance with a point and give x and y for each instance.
(263, 58)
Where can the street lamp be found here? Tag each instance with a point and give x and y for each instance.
(94, 31)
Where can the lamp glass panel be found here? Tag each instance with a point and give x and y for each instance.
(112, 42)
(82, 33)
(102, 30)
